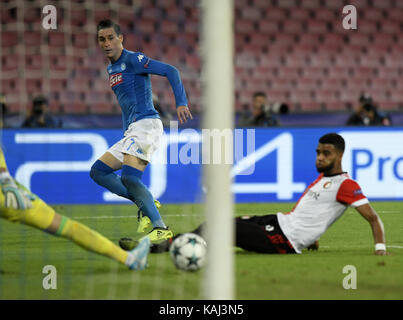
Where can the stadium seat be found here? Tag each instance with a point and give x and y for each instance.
(168, 27)
(301, 96)
(388, 73)
(394, 61)
(321, 60)
(251, 13)
(56, 39)
(368, 26)
(384, 39)
(268, 26)
(33, 86)
(307, 84)
(296, 60)
(391, 26)
(311, 4)
(385, 4)
(244, 26)
(287, 4)
(9, 86)
(32, 14)
(82, 40)
(151, 13)
(332, 84)
(9, 38)
(359, 39)
(394, 14)
(373, 14)
(317, 26)
(8, 15)
(101, 14)
(326, 13)
(325, 96)
(397, 96)
(293, 26)
(313, 72)
(9, 62)
(34, 62)
(357, 85)
(145, 26)
(78, 17)
(32, 38)
(310, 106)
(275, 14)
(300, 14)
(284, 40)
(363, 72)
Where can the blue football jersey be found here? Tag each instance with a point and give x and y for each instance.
(129, 78)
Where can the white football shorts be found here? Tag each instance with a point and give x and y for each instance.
(141, 139)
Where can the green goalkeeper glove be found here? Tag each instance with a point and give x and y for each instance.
(15, 198)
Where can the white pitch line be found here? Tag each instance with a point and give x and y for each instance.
(393, 246)
(131, 217)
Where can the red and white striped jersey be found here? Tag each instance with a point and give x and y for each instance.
(322, 203)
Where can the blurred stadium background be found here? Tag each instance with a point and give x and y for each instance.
(295, 51)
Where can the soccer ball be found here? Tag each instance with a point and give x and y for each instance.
(188, 252)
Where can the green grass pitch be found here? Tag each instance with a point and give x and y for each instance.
(312, 275)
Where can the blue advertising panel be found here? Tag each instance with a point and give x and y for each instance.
(269, 165)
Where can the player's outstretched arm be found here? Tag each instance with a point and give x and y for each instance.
(377, 227)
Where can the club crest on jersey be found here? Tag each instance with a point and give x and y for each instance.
(115, 79)
(327, 185)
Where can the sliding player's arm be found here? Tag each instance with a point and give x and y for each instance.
(376, 225)
(145, 65)
(351, 194)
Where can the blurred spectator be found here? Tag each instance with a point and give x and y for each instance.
(263, 114)
(367, 114)
(39, 117)
(165, 116)
(3, 110)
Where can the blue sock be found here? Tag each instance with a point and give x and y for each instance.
(142, 197)
(103, 175)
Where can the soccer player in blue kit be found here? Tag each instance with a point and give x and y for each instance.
(129, 77)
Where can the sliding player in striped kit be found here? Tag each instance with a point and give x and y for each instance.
(19, 205)
(129, 77)
(322, 203)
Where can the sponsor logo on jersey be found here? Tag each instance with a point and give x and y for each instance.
(327, 185)
(269, 228)
(115, 79)
(140, 57)
(314, 194)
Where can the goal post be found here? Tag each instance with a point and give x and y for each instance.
(217, 96)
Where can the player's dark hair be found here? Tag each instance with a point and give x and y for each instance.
(259, 94)
(334, 139)
(104, 24)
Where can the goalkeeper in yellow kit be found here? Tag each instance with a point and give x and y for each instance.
(18, 204)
